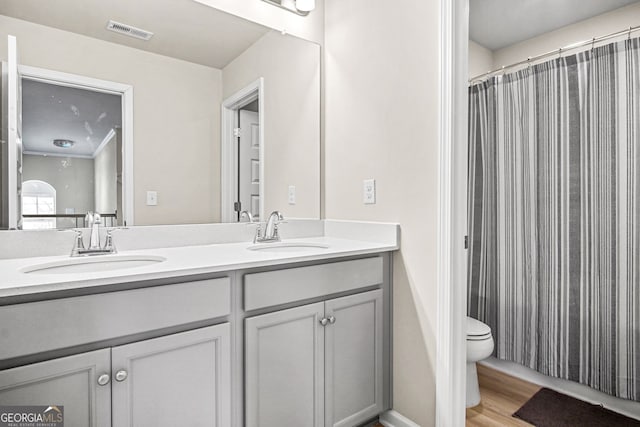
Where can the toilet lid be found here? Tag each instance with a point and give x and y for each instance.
(476, 328)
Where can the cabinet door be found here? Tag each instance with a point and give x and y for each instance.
(353, 377)
(178, 380)
(284, 372)
(71, 382)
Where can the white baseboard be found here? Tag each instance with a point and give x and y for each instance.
(579, 391)
(395, 419)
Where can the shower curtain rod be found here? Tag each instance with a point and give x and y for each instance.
(559, 51)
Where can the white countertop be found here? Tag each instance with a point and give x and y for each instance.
(180, 261)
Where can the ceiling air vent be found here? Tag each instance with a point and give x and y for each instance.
(128, 30)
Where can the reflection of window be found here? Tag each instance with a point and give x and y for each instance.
(38, 198)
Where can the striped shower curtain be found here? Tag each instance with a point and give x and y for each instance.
(554, 216)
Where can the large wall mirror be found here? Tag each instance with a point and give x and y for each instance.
(213, 114)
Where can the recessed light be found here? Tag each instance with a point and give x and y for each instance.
(63, 143)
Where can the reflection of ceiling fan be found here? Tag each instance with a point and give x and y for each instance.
(64, 143)
(300, 7)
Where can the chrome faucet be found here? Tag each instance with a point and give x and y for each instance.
(95, 248)
(94, 221)
(252, 221)
(271, 228)
(248, 215)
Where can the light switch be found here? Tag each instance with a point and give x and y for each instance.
(152, 198)
(369, 191)
(292, 194)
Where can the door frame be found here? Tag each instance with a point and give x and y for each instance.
(229, 152)
(96, 85)
(9, 191)
(452, 214)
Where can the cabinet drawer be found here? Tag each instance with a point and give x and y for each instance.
(48, 325)
(272, 288)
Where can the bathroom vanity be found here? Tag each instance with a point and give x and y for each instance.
(223, 334)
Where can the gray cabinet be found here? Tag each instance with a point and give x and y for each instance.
(284, 368)
(289, 353)
(71, 382)
(66, 322)
(353, 361)
(178, 379)
(315, 365)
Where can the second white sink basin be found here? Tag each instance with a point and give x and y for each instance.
(93, 264)
(289, 247)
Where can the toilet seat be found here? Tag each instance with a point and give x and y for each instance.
(477, 331)
(479, 346)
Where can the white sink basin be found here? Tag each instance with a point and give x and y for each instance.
(93, 264)
(289, 247)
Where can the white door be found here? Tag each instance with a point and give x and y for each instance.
(177, 380)
(354, 373)
(249, 162)
(70, 382)
(11, 154)
(284, 368)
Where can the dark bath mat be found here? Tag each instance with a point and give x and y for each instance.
(548, 408)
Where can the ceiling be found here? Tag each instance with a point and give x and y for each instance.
(500, 23)
(57, 112)
(183, 29)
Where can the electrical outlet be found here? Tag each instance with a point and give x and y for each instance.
(369, 191)
(152, 198)
(292, 194)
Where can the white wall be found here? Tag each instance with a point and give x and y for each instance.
(480, 59)
(176, 115)
(291, 71)
(600, 25)
(105, 171)
(71, 177)
(381, 91)
(310, 27)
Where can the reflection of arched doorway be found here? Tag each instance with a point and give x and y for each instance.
(38, 198)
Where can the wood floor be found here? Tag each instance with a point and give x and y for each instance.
(502, 395)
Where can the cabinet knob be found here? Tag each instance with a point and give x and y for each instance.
(121, 375)
(324, 321)
(103, 379)
(332, 320)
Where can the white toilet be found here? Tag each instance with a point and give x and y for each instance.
(479, 347)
